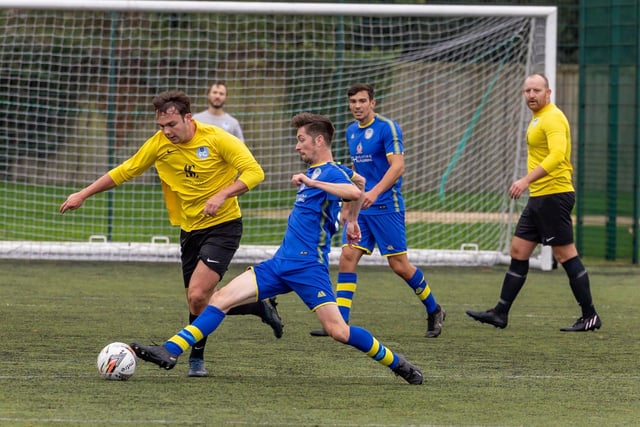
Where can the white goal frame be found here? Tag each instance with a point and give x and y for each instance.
(159, 249)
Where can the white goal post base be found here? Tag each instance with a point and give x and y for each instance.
(467, 256)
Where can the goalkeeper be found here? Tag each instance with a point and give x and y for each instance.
(546, 218)
(203, 169)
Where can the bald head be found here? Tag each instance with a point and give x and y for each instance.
(536, 92)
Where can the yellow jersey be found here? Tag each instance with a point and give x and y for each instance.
(549, 146)
(194, 171)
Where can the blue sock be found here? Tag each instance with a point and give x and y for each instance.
(362, 339)
(423, 291)
(345, 289)
(207, 322)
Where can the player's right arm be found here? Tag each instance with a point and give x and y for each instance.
(131, 168)
(351, 210)
(75, 200)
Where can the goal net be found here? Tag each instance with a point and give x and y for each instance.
(77, 79)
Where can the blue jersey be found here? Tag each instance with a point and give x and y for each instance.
(315, 216)
(369, 147)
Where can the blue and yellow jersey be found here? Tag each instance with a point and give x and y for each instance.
(369, 147)
(194, 171)
(549, 146)
(315, 216)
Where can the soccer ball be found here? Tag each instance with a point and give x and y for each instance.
(117, 361)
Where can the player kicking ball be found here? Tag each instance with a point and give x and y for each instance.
(301, 263)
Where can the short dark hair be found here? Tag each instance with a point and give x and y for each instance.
(172, 99)
(315, 124)
(359, 87)
(217, 83)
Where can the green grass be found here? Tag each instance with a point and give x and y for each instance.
(597, 244)
(56, 316)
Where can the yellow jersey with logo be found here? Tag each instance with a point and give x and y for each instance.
(194, 171)
(549, 146)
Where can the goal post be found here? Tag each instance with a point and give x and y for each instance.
(78, 78)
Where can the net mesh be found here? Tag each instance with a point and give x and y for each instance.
(76, 90)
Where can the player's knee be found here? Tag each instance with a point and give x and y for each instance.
(339, 336)
(339, 333)
(402, 268)
(198, 301)
(349, 257)
(564, 253)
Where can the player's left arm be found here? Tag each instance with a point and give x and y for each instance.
(214, 202)
(250, 172)
(351, 207)
(391, 176)
(240, 157)
(555, 132)
(351, 210)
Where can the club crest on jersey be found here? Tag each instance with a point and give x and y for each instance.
(202, 152)
(368, 133)
(316, 173)
(534, 122)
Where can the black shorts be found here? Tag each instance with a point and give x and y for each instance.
(547, 219)
(215, 246)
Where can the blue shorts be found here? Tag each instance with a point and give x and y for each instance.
(310, 280)
(387, 231)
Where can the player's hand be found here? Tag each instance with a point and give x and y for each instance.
(368, 200)
(299, 178)
(518, 188)
(73, 202)
(212, 205)
(353, 232)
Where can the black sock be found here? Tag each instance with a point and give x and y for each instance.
(197, 350)
(513, 281)
(254, 308)
(579, 282)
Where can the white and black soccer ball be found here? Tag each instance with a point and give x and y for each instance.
(117, 361)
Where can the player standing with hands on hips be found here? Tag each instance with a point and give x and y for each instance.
(377, 153)
(301, 263)
(203, 169)
(546, 218)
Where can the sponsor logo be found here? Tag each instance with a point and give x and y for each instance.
(202, 152)
(189, 171)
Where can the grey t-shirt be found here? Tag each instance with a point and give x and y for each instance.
(225, 121)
